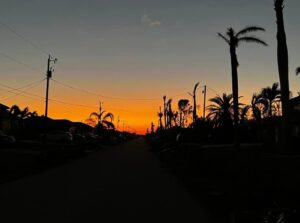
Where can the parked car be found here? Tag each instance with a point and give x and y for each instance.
(59, 136)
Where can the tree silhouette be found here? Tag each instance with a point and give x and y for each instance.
(165, 110)
(270, 97)
(195, 102)
(244, 114)
(257, 106)
(283, 68)
(160, 116)
(17, 113)
(170, 113)
(221, 110)
(184, 109)
(233, 39)
(104, 119)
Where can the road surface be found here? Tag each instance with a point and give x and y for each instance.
(125, 182)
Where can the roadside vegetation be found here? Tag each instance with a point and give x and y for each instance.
(243, 159)
(30, 143)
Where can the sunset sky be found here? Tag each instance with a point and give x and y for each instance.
(129, 53)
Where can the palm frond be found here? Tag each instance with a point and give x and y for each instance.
(224, 38)
(109, 115)
(230, 32)
(249, 29)
(195, 88)
(108, 124)
(100, 114)
(94, 114)
(252, 39)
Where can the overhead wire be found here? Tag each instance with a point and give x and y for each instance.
(24, 38)
(19, 62)
(211, 89)
(100, 95)
(108, 97)
(12, 30)
(26, 87)
(34, 96)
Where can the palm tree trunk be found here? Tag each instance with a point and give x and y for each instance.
(195, 108)
(180, 119)
(165, 112)
(283, 69)
(235, 91)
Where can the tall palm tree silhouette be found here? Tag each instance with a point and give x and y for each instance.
(165, 110)
(233, 39)
(160, 116)
(169, 113)
(283, 68)
(104, 119)
(195, 102)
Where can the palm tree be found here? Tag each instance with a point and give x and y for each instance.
(257, 106)
(160, 116)
(221, 111)
(175, 118)
(170, 113)
(270, 97)
(283, 68)
(183, 107)
(244, 114)
(165, 110)
(195, 102)
(102, 118)
(233, 39)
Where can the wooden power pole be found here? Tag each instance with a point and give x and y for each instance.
(49, 75)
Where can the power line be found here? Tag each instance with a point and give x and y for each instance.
(22, 94)
(81, 89)
(27, 87)
(24, 38)
(34, 96)
(209, 88)
(19, 62)
(108, 97)
(100, 95)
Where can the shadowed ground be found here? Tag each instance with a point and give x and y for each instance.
(125, 182)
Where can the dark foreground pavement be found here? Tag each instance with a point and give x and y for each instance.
(123, 183)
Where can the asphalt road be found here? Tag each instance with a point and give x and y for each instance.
(123, 183)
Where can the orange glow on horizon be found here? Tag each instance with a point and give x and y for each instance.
(136, 115)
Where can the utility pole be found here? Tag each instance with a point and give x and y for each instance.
(49, 75)
(204, 101)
